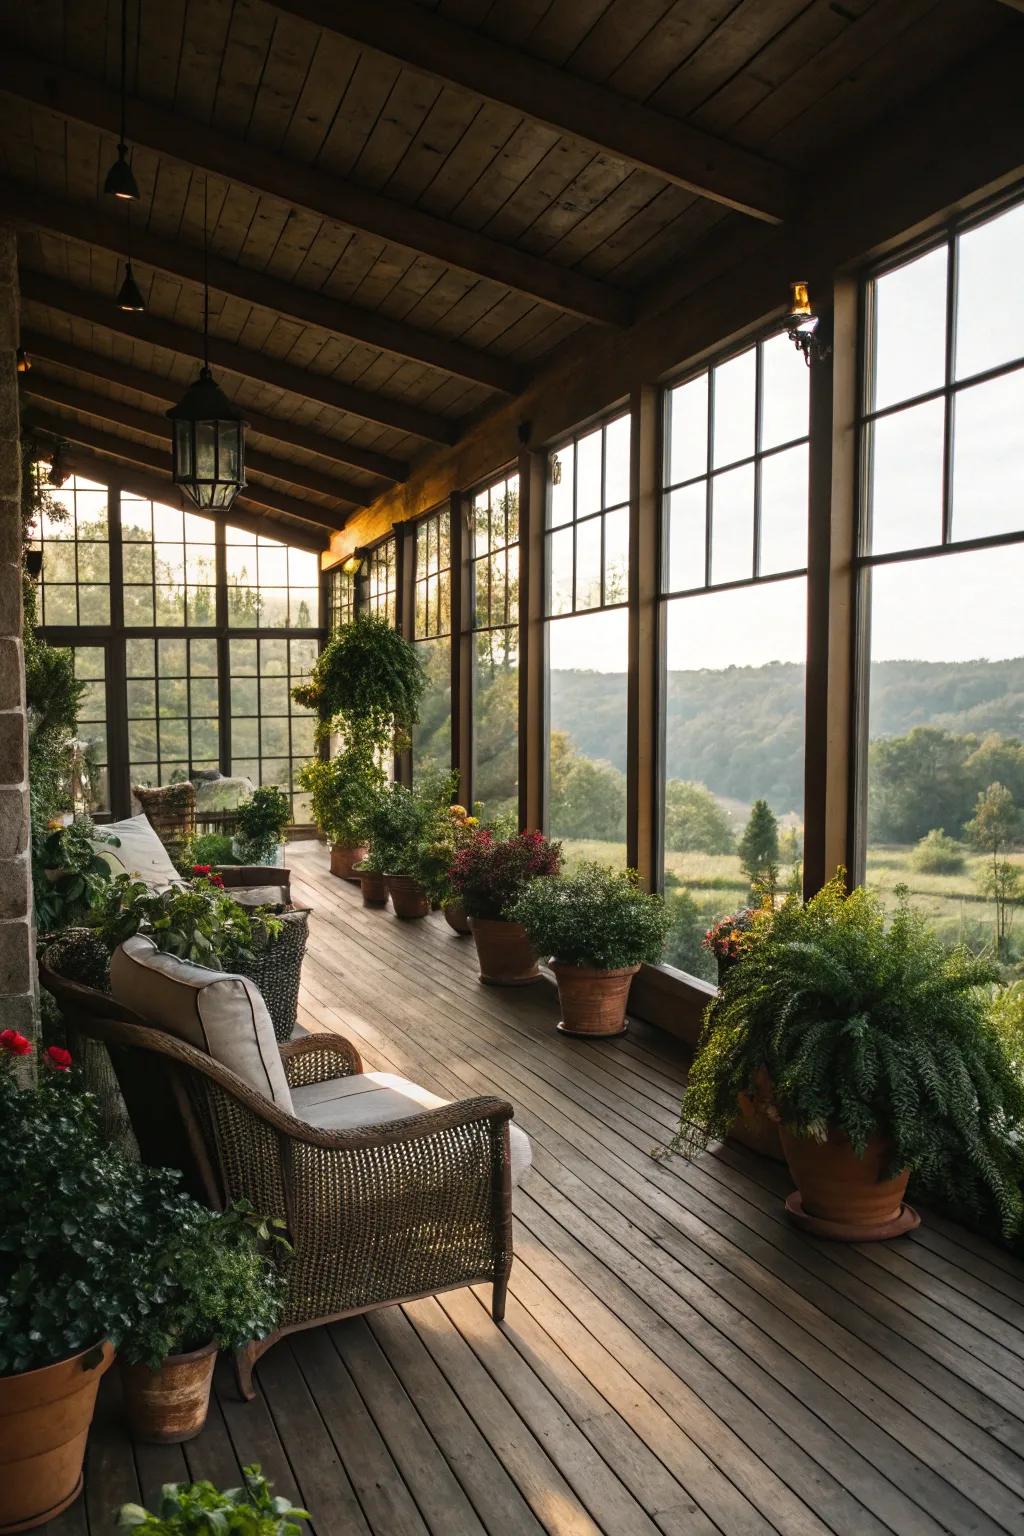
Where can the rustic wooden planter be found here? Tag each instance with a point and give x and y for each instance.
(170, 1404)
(841, 1195)
(593, 1001)
(507, 958)
(44, 1423)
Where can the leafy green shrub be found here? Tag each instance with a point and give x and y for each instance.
(367, 677)
(220, 1285)
(408, 830)
(198, 922)
(937, 854)
(597, 916)
(1006, 1012)
(197, 1509)
(868, 1027)
(344, 791)
(210, 848)
(260, 825)
(67, 872)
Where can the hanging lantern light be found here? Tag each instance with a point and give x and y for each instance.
(129, 296)
(120, 181)
(208, 441)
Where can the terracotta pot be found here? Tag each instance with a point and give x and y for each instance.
(170, 1404)
(408, 897)
(507, 958)
(374, 888)
(757, 1126)
(593, 1001)
(455, 917)
(841, 1195)
(344, 857)
(44, 1422)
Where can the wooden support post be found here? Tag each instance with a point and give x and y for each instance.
(831, 605)
(462, 647)
(643, 711)
(533, 707)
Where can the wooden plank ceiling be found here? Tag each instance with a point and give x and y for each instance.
(411, 204)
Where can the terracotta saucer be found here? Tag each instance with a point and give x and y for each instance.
(846, 1232)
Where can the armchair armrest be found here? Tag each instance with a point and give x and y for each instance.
(247, 876)
(319, 1059)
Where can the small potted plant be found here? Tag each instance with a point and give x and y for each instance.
(373, 881)
(881, 1063)
(187, 1508)
(461, 829)
(727, 938)
(260, 825)
(599, 926)
(219, 1291)
(344, 791)
(407, 838)
(488, 874)
(83, 1229)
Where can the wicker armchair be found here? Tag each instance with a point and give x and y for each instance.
(375, 1215)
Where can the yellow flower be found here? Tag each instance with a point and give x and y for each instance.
(55, 824)
(472, 821)
(458, 810)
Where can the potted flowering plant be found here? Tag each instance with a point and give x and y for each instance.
(727, 938)
(600, 926)
(82, 1231)
(461, 826)
(489, 873)
(407, 832)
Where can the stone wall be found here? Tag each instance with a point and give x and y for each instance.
(17, 964)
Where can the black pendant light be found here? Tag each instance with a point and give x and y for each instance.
(208, 442)
(129, 296)
(120, 180)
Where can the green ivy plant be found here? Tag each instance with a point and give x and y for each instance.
(867, 1025)
(344, 791)
(198, 922)
(368, 678)
(260, 825)
(200, 1509)
(597, 917)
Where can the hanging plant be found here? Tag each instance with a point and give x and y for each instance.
(367, 679)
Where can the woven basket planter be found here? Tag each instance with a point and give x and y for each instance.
(278, 970)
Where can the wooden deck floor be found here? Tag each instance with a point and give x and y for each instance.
(675, 1357)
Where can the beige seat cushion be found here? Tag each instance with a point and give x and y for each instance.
(374, 1098)
(258, 895)
(220, 1014)
(139, 853)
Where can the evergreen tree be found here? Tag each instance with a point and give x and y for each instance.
(759, 845)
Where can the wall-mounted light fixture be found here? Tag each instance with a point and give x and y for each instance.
(802, 325)
(353, 563)
(23, 363)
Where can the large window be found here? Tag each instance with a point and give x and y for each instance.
(494, 554)
(198, 677)
(382, 579)
(942, 557)
(734, 556)
(342, 598)
(432, 632)
(587, 568)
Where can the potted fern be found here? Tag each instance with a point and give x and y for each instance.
(881, 1062)
(599, 926)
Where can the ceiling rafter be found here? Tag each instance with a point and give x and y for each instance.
(90, 101)
(287, 516)
(300, 476)
(610, 123)
(111, 370)
(85, 304)
(90, 226)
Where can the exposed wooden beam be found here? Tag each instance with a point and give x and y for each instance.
(53, 392)
(609, 123)
(301, 186)
(101, 310)
(91, 226)
(286, 510)
(112, 371)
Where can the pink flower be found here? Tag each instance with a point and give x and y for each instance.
(15, 1044)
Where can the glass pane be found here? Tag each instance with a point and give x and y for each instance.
(588, 473)
(588, 563)
(141, 699)
(734, 392)
(910, 329)
(432, 735)
(785, 398)
(139, 656)
(496, 721)
(58, 562)
(561, 483)
(587, 658)
(616, 466)
(988, 458)
(946, 719)
(616, 556)
(480, 522)
(60, 605)
(137, 562)
(93, 605)
(686, 537)
(688, 430)
(138, 606)
(734, 734)
(732, 525)
(990, 294)
(905, 484)
(136, 519)
(560, 559)
(784, 511)
(304, 605)
(511, 500)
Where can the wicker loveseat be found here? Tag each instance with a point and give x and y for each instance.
(376, 1213)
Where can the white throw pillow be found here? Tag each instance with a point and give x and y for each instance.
(140, 853)
(223, 1015)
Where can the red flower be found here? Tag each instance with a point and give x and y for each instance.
(216, 880)
(200, 869)
(58, 1058)
(14, 1044)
